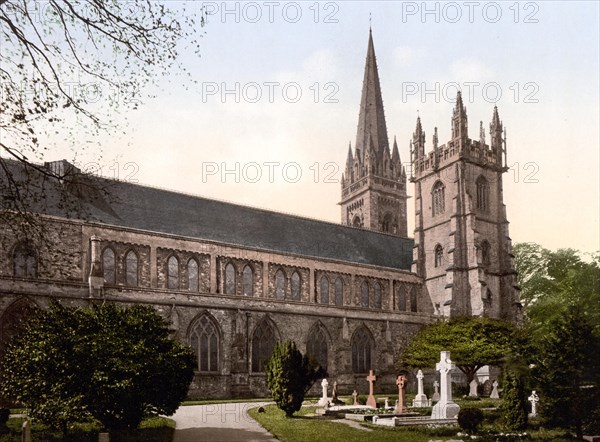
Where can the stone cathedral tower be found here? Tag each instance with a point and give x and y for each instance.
(462, 249)
(374, 181)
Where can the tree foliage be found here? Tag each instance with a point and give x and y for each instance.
(69, 68)
(561, 295)
(106, 363)
(514, 402)
(472, 341)
(290, 375)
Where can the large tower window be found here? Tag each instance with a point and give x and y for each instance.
(482, 194)
(485, 253)
(386, 224)
(438, 204)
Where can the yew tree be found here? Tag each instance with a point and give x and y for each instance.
(105, 363)
(472, 342)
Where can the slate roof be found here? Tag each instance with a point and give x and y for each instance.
(141, 207)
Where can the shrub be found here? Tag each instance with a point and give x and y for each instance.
(514, 405)
(289, 376)
(4, 415)
(470, 419)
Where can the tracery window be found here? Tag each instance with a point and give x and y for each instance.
(172, 272)
(193, 278)
(438, 198)
(361, 351)
(364, 294)
(324, 290)
(316, 346)
(377, 295)
(248, 281)
(280, 285)
(296, 286)
(386, 225)
(131, 269)
(339, 291)
(25, 260)
(230, 279)
(263, 342)
(204, 341)
(438, 255)
(108, 266)
(482, 194)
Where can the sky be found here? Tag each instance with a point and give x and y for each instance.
(275, 97)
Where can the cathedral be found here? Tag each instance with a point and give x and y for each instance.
(233, 280)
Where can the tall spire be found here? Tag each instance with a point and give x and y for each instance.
(371, 119)
(460, 125)
(419, 139)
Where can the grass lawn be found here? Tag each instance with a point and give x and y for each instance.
(305, 427)
(156, 429)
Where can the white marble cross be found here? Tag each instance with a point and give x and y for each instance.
(494, 394)
(324, 400)
(445, 408)
(436, 394)
(534, 399)
(420, 399)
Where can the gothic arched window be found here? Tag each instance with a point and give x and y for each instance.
(204, 340)
(402, 299)
(364, 294)
(438, 255)
(356, 221)
(339, 291)
(438, 198)
(248, 281)
(316, 346)
(230, 279)
(172, 272)
(131, 269)
(482, 194)
(413, 299)
(263, 342)
(280, 285)
(296, 286)
(361, 351)
(324, 290)
(193, 275)
(25, 260)
(108, 266)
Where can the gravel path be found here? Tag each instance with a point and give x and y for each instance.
(218, 423)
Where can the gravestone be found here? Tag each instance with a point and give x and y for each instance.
(445, 408)
(473, 388)
(494, 394)
(534, 399)
(387, 405)
(436, 394)
(324, 399)
(334, 397)
(400, 406)
(26, 432)
(421, 398)
(355, 397)
(371, 402)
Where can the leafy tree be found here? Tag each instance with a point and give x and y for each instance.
(106, 363)
(472, 341)
(69, 68)
(290, 375)
(567, 371)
